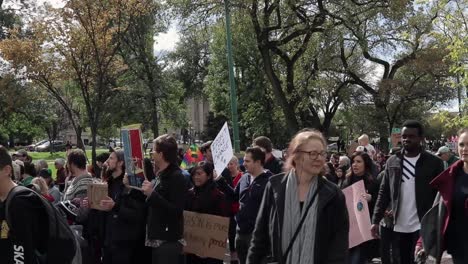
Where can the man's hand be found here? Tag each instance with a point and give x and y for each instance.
(419, 253)
(125, 180)
(107, 204)
(147, 188)
(375, 231)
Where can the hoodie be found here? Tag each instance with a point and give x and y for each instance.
(249, 193)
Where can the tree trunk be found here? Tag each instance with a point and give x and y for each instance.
(79, 140)
(383, 126)
(154, 118)
(289, 115)
(94, 143)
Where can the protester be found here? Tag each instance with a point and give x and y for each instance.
(166, 200)
(40, 186)
(406, 190)
(78, 188)
(29, 174)
(125, 217)
(248, 193)
(41, 164)
(361, 170)
(452, 186)
(341, 175)
(447, 156)
(61, 173)
(27, 237)
(380, 161)
(344, 162)
(298, 193)
(205, 198)
(23, 156)
(335, 160)
(272, 163)
(330, 172)
(236, 174)
(205, 149)
(100, 160)
(53, 191)
(363, 141)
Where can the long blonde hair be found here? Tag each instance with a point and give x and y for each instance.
(300, 139)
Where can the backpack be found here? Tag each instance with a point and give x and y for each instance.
(61, 244)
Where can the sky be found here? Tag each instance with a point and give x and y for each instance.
(163, 42)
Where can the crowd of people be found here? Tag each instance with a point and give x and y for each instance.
(288, 211)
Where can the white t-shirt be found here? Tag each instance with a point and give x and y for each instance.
(370, 150)
(407, 220)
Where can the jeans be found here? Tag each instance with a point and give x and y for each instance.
(167, 253)
(406, 243)
(388, 246)
(242, 246)
(357, 255)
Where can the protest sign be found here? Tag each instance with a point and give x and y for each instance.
(206, 235)
(133, 151)
(96, 193)
(221, 149)
(358, 210)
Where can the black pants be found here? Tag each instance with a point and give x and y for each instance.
(406, 243)
(459, 259)
(387, 246)
(193, 259)
(242, 246)
(167, 253)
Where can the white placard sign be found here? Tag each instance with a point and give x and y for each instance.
(222, 149)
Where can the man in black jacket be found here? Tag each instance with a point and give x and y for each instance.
(18, 243)
(406, 191)
(272, 163)
(249, 193)
(166, 200)
(124, 218)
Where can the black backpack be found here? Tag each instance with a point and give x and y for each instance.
(61, 243)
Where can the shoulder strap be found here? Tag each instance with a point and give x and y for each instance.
(284, 258)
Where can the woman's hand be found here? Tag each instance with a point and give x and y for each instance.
(107, 204)
(84, 203)
(367, 196)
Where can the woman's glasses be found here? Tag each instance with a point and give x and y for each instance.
(314, 154)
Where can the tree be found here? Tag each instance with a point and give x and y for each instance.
(137, 52)
(395, 37)
(44, 70)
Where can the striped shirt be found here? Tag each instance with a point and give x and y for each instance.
(407, 220)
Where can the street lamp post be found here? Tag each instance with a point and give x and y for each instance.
(232, 81)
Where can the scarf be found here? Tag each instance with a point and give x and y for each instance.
(78, 187)
(302, 251)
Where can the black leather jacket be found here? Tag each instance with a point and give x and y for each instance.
(331, 245)
(428, 167)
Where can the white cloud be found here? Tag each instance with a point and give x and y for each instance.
(166, 41)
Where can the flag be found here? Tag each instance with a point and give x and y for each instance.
(192, 156)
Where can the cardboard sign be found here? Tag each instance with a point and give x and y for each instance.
(206, 235)
(359, 218)
(221, 149)
(96, 193)
(133, 150)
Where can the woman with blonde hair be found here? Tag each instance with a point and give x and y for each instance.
(40, 186)
(303, 217)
